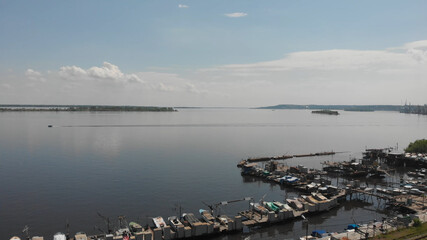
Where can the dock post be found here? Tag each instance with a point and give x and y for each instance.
(180, 232)
(238, 223)
(157, 234)
(139, 236)
(187, 232)
(271, 217)
(148, 235)
(210, 228)
(230, 226)
(281, 215)
(166, 233)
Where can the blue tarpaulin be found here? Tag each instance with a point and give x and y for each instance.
(318, 233)
(352, 226)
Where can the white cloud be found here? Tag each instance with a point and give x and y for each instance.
(71, 72)
(330, 76)
(417, 44)
(34, 75)
(333, 61)
(182, 6)
(335, 76)
(169, 82)
(5, 85)
(108, 72)
(236, 14)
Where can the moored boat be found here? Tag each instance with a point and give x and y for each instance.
(295, 204)
(207, 216)
(159, 222)
(174, 222)
(135, 227)
(59, 236)
(80, 236)
(259, 208)
(271, 206)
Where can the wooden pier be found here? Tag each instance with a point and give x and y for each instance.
(284, 157)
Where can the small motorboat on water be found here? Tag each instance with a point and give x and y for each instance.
(271, 206)
(135, 227)
(190, 218)
(295, 204)
(59, 236)
(279, 204)
(259, 208)
(80, 236)
(207, 216)
(159, 222)
(223, 220)
(124, 233)
(174, 222)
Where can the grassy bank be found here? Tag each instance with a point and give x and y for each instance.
(413, 233)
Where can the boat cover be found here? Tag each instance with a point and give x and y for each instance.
(318, 233)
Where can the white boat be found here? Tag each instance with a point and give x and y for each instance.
(279, 204)
(175, 223)
(159, 222)
(123, 232)
(319, 197)
(191, 219)
(80, 236)
(398, 191)
(294, 203)
(259, 208)
(135, 227)
(207, 216)
(416, 191)
(223, 220)
(59, 236)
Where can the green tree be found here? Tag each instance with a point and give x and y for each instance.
(419, 146)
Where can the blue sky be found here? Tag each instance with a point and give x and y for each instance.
(174, 50)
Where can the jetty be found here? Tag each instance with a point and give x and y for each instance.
(406, 197)
(190, 226)
(283, 157)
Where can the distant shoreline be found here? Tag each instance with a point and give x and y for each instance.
(362, 108)
(82, 108)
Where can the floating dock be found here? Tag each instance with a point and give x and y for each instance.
(283, 157)
(318, 197)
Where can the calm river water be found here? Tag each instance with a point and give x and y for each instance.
(146, 164)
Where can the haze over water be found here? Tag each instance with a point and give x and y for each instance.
(144, 164)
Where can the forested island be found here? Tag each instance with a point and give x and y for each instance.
(324, 111)
(362, 108)
(82, 108)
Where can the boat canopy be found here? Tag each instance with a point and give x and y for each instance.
(318, 233)
(352, 226)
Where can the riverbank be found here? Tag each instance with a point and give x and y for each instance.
(418, 232)
(82, 108)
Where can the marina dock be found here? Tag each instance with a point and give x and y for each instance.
(284, 157)
(317, 195)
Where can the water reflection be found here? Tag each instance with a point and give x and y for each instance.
(49, 175)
